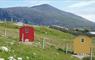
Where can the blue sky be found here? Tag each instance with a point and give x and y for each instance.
(84, 8)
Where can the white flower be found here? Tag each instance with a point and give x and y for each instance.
(3, 48)
(2, 59)
(11, 58)
(19, 58)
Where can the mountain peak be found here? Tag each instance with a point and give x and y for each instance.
(44, 5)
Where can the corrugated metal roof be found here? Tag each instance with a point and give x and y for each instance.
(93, 33)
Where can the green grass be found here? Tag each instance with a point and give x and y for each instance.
(55, 39)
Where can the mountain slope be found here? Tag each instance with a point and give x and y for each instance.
(46, 15)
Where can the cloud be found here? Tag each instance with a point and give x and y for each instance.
(34, 3)
(81, 4)
(89, 17)
(84, 9)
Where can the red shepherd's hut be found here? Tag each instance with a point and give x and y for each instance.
(26, 34)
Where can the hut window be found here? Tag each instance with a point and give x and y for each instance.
(82, 40)
(27, 30)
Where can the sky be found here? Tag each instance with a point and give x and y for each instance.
(84, 8)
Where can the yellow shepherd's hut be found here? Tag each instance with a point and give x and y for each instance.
(82, 45)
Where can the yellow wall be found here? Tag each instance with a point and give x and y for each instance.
(82, 47)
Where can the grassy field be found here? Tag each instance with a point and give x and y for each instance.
(55, 39)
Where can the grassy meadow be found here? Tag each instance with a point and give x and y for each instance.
(55, 44)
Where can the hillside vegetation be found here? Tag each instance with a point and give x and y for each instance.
(55, 41)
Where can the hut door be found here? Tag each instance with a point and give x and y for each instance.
(27, 35)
